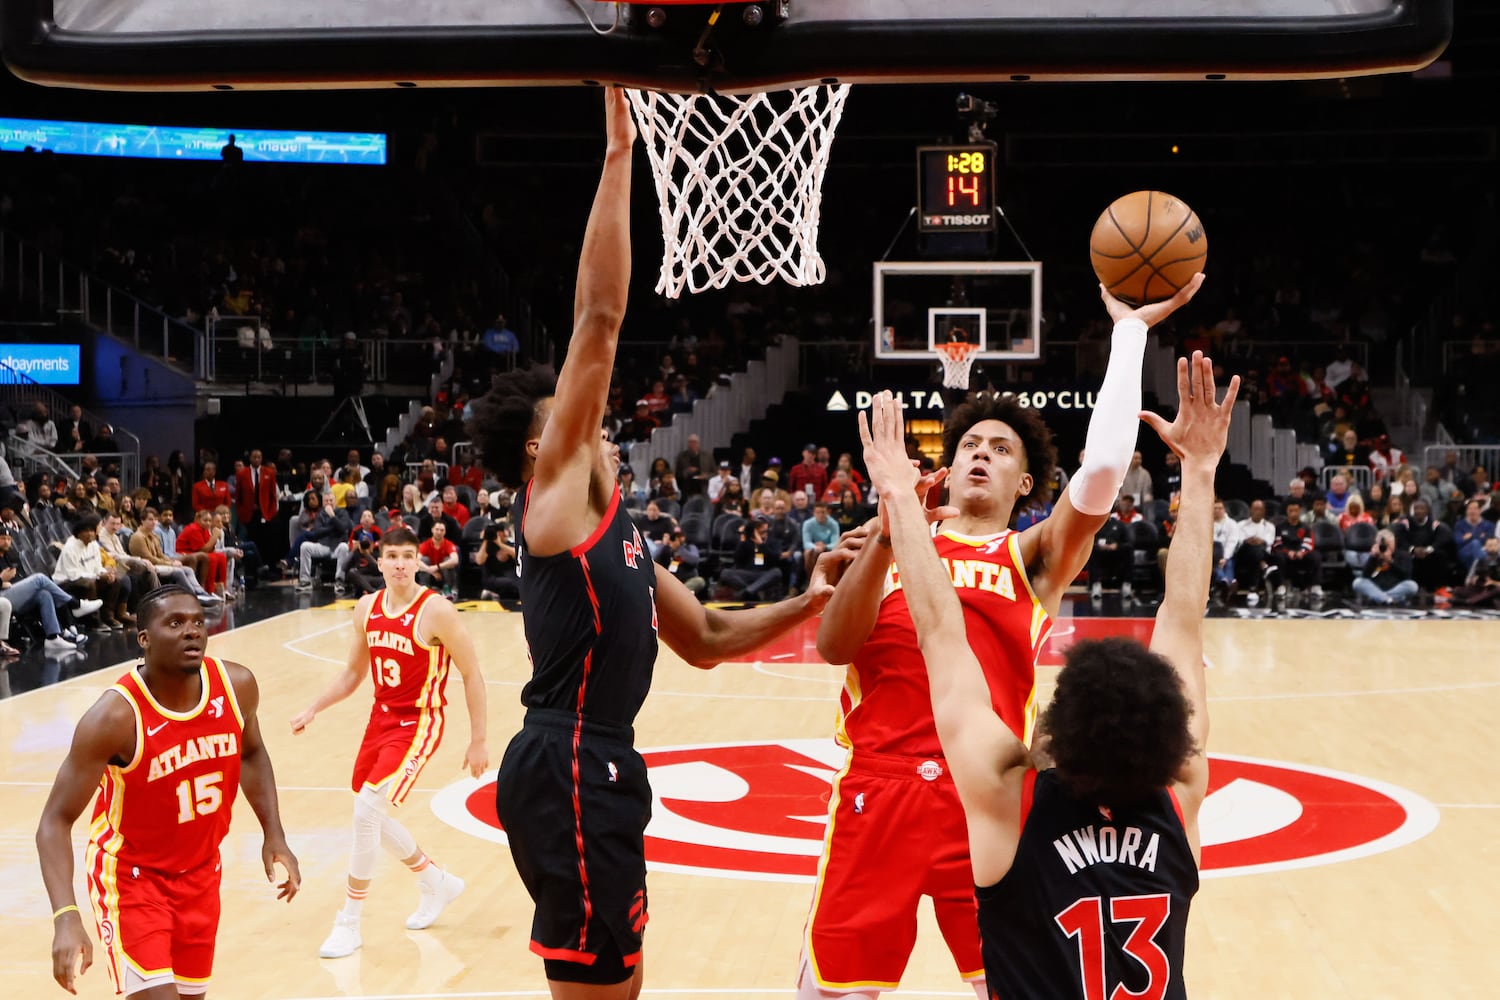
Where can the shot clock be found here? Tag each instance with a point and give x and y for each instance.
(956, 188)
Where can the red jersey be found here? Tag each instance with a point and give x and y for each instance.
(168, 808)
(886, 706)
(409, 675)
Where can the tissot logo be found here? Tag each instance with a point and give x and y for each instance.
(758, 810)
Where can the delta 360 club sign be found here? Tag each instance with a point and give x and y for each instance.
(757, 811)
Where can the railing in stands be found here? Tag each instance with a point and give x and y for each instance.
(1360, 477)
(1486, 456)
(20, 392)
(71, 291)
(240, 350)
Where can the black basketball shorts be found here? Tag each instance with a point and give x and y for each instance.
(578, 845)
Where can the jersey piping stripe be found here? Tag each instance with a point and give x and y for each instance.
(1041, 629)
(834, 798)
(583, 683)
(603, 526)
(423, 745)
(852, 689)
(563, 954)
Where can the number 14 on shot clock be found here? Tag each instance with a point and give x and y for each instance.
(956, 188)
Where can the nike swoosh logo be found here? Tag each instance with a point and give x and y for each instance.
(153, 732)
(411, 723)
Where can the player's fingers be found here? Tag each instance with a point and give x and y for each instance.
(1231, 393)
(1195, 375)
(1156, 423)
(1184, 388)
(864, 430)
(88, 956)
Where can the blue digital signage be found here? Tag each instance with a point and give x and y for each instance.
(49, 364)
(176, 142)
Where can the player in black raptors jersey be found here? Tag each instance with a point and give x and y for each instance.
(1084, 869)
(572, 792)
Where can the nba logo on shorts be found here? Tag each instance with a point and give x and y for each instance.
(930, 770)
(614, 772)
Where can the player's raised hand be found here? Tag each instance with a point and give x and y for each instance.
(1151, 313)
(70, 942)
(1202, 426)
(619, 125)
(477, 758)
(277, 852)
(883, 433)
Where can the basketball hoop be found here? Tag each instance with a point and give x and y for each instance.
(957, 358)
(739, 179)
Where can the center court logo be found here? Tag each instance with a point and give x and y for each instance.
(758, 811)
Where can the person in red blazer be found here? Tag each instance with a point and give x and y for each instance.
(210, 491)
(256, 507)
(257, 492)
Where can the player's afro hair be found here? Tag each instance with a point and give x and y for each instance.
(1038, 452)
(500, 421)
(1117, 728)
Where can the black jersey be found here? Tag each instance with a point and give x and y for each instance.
(590, 619)
(1096, 900)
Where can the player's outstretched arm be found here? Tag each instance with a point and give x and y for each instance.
(442, 622)
(346, 681)
(568, 448)
(106, 731)
(1056, 549)
(706, 637)
(983, 755)
(1198, 436)
(258, 782)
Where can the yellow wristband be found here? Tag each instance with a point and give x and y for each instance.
(71, 906)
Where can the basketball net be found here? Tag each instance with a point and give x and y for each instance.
(739, 179)
(957, 358)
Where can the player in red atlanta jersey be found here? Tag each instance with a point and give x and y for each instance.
(406, 638)
(896, 826)
(168, 747)
(1085, 850)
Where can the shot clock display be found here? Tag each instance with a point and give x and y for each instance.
(956, 188)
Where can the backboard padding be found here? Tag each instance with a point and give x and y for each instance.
(330, 44)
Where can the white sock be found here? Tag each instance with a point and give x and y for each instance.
(354, 901)
(428, 874)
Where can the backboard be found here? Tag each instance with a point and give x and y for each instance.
(922, 304)
(334, 44)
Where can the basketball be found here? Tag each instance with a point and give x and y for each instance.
(1146, 246)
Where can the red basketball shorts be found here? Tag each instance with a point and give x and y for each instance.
(395, 749)
(896, 833)
(156, 928)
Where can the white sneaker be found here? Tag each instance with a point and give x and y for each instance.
(1125, 591)
(434, 900)
(343, 940)
(1096, 590)
(87, 608)
(57, 644)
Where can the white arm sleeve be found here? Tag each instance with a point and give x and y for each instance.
(1112, 428)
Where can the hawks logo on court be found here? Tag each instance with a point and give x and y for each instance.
(758, 810)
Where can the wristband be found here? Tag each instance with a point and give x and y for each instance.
(71, 906)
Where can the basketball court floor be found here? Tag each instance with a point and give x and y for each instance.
(1353, 834)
